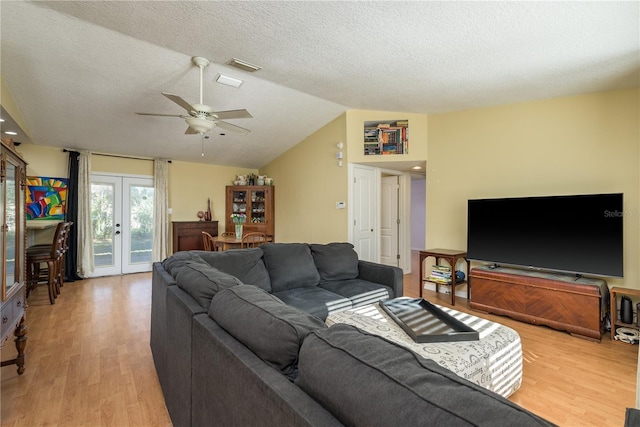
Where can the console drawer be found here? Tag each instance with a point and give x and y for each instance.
(10, 314)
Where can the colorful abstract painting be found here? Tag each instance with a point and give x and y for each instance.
(46, 197)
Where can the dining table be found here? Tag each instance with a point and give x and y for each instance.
(230, 242)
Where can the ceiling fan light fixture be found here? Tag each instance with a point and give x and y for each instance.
(243, 65)
(228, 80)
(200, 125)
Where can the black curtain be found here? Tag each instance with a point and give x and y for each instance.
(71, 258)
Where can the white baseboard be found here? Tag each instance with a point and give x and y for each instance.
(461, 290)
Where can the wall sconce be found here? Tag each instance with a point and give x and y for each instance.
(339, 145)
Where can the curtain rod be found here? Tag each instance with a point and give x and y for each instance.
(65, 150)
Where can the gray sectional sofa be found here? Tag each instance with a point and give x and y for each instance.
(238, 339)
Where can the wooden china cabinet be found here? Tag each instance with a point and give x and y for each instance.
(12, 251)
(256, 202)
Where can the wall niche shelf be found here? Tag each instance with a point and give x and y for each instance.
(386, 137)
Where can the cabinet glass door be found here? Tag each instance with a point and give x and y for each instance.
(239, 202)
(257, 207)
(10, 240)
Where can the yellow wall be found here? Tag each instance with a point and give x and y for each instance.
(45, 161)
(190, 184)
(574, 145)
(121, 165)
(355, 136)
(308, 183)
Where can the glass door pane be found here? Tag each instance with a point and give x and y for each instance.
(105, 204)
(137, 238)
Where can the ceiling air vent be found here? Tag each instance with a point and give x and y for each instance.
(245, 66)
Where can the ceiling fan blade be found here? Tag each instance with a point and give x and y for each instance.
(233, 114)
(159, 115)
(232, 128)
(190, 131)
(181, 102)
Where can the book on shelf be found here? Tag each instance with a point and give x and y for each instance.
(440, 274)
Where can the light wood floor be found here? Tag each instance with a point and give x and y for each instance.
(89, 363)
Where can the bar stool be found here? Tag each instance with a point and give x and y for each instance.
(53, 255)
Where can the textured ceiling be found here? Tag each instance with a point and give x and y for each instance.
(79, 70)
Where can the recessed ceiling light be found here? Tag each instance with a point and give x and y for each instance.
(228, 80)
(243, 65)
(1, 120)
(11, 132)
(416, 168)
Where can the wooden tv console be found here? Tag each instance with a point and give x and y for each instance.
(564, 302)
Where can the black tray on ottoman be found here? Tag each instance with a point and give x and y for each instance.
(425, 323)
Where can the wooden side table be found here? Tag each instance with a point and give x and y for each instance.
(613, 314)
(452, 257)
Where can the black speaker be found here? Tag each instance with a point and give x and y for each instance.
(626, 310)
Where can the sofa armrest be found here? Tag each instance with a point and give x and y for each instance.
(382, 274)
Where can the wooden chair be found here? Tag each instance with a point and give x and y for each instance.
(253, 240)
(218, 247)
(207, 242)
(53, 256)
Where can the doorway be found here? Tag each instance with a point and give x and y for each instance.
(380, 209)
(389, 221)
(122, 222)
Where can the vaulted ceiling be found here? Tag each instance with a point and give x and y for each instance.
(78, 70)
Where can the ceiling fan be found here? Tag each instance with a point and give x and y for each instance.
(201, 118)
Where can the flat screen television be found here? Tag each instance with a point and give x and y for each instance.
(579, 234)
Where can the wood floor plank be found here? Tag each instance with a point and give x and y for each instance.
(89, 363)
(88, 359)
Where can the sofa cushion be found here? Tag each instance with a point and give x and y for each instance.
(175, 262)
(270, 328)
(202, 281)
(245, 264)
(377, 378)
(314, 300)
(335, 261)
(290, 265)
(360, 292)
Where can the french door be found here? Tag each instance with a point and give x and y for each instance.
(122, 221)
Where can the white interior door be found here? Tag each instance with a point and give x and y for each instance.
(122, 219)
(389, 221)
(364, 202)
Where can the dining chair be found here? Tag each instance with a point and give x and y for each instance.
(219, 246)
(253, 240)
(208, 242)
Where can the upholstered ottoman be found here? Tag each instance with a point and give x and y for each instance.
(493, 362)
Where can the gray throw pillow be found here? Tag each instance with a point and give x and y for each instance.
(202, 281)
(366, 380)
(270, 328)
(290, 265)
(245, 264)
(175, 262)
(335, 261)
